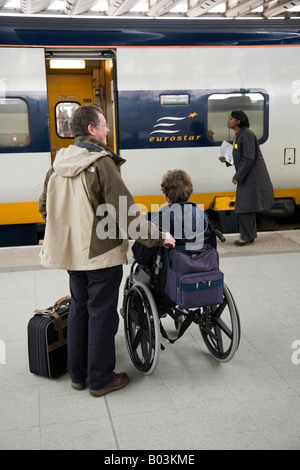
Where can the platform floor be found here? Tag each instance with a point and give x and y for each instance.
(191, 402)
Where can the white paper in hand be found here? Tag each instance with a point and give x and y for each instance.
(226, 151)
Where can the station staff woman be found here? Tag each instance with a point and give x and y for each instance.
(254, 188)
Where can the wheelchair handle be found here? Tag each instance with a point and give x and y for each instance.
(220, 236)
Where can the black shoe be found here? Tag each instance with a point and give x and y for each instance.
(78, 386)
(243, 242)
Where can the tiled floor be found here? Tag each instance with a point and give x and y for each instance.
(191, 402)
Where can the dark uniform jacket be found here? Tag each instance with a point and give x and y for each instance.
(254, 190)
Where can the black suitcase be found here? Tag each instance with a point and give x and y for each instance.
(47, 340)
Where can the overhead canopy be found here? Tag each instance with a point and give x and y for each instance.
(154, 8)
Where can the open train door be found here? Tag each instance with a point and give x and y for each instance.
(75, 78)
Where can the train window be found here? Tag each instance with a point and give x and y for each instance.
(220, 105)
(63, 114)
(167, 100)
(14, 123)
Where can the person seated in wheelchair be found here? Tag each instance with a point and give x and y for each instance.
(184, 219)
(183, 284)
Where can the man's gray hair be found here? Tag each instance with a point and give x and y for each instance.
(83, 117)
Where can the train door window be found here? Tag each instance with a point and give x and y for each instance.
(14, 123)
(64, 111)
(219, 108)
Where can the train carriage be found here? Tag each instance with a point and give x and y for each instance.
(166, 88)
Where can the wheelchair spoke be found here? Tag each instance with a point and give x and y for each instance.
(137, 340)
(220, 325)
(140, 321)
(220, 328)
(146, 348)
(219, 342)
(139, 330)
(142, 335)
(217, 311)
(141, 326)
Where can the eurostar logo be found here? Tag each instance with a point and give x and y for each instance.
(168, 128)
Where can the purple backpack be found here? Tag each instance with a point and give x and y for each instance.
(194, 278)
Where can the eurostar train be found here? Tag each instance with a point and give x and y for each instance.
(166, 88)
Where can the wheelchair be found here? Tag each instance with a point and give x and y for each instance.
(145, 306)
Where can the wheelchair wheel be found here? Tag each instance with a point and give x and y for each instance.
(142, 328)
(220, 328)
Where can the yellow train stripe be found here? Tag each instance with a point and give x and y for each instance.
(28, 212)
(205, 200)
(20, 213)
(215, 201)
(293, 193)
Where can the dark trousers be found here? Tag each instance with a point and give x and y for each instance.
(247, 225)
(92, 325)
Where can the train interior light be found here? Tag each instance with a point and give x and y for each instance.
(67, 64)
